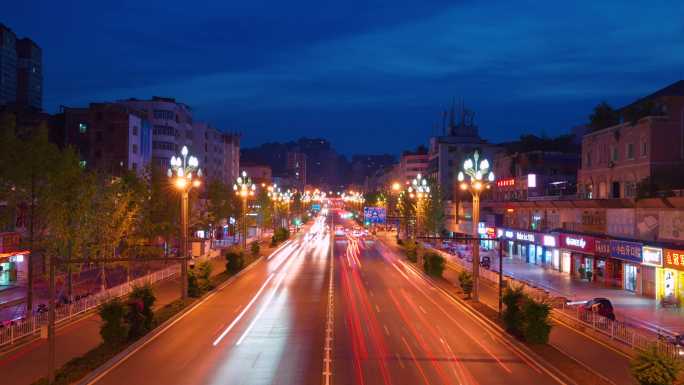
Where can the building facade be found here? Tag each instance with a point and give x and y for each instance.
(21, 70)
(411, 164)
(297, 167)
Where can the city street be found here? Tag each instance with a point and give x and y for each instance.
(267, 327)
(393, 327)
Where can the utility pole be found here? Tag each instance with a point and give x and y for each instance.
(51, 323)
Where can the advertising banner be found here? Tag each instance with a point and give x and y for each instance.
(627, 251)
(374, 214)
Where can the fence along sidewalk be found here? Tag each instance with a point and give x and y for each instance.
(32, 324)
(637, 339)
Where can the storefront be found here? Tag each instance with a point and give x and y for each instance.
(548, 254)
(605, 269)
(578, 250)
(670, 279)
(652, 262)
(628, 254)
(490, 234)
(12, 260)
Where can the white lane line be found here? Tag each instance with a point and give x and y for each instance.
(386, 330)
(330, 321)
(421, 309)
(266, 303)
(377, 308)
(237, 319)
(401, 362)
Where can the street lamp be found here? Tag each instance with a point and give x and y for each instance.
(479, 179)
(244, 188)
(419, 190)
(181, 173)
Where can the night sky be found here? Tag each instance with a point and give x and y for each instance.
(370, 76)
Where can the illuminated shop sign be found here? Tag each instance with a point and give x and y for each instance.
(505, 182)
(481, 228)
(509, 234)
(499, 233)
(523, 236)
(674, 259)
(628, 251)
(603, 246)
(549, 241)
(531, 180)
(652, 256)
(578, 242)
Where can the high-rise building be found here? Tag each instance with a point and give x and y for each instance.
(21, 70)
(231, 158)
(296, 167)
(8, 66)
(29, 74)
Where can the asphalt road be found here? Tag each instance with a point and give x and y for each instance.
(267, 327)
(389, 326)
(393, 327)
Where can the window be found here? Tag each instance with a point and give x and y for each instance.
(158, 145)
(164, 130)
(644, 148)
(163, 114)
(134, 148)
(82, 127)
(614, 155)
(630, 189)
(588, 159)
(135, 130)
(82, 163)
(188, 134)
(630, 150)
(134, 166)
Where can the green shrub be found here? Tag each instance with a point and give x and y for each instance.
(198, 279)
(411, 250)
(114, 331)
(433, 264)
(652, 367)
(281, 234)
(465, 279)
(512, 314)
(144, 294)
(536, 325)
(254, 248)
(235, 260)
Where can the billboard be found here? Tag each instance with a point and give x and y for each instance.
(374, 215)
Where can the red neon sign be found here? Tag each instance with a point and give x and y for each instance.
(505, 182)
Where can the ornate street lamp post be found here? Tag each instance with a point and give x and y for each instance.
(479, 179)
(419, 190)
(184, 173)
(244, 188)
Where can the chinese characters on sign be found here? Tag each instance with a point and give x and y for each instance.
(505, 182)
(578, 242)
(674, 259)
(374, 214)
(652, 256)
(603, 247)
(628, 251)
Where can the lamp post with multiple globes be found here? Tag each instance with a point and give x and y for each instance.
(245, 189)
(479, 180)
(184, 173)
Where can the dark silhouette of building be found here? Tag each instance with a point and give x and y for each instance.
(21, 70)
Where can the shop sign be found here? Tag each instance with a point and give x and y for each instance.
(652, 256)
(491, 232)
(509, 234)
(578, 242)
(499, 233)
(674, 259)
(481, 228)
(549, 241)
(523, 236)
(628, 251)
(505, 182)
(603, 246)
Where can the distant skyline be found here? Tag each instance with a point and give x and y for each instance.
(370, 76)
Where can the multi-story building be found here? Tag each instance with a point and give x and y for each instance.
(231, 158)
(296, 167)
(109, 137)
(171, 127)
(8, 65)
(259, 173)
(29, 74)
(21, 70)
(411, 164)
(649, 148)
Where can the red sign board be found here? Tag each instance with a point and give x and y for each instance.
(9, 242)
(674, 259)
(602, 247)
(580, 243)
(505, 182)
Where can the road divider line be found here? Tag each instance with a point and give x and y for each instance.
(242, 313)
(330, 320)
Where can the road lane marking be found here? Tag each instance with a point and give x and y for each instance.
(330, 319)
(377, 308)
(401, 362)
(386, 330)
(413, 356)
(421, 309)
(237, 319)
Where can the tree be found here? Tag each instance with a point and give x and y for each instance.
(536, 325)
(434, 211)
(433, 264)
(512, 314)
(113, 329)
(651, 367)
(160, 209)
(27, 159)
(140, 316)
(407, 211)
(603, 116)
(265, 209)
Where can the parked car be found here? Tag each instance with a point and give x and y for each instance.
(602, 306)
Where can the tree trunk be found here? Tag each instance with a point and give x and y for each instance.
(31, 260)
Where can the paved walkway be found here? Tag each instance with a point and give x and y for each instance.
(630, 307)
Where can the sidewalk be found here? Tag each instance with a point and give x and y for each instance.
(630, 307)
(29, 363)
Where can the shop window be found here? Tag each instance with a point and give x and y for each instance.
(82, 127)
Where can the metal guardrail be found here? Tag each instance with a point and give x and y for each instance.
(33, 324)
(634, 338)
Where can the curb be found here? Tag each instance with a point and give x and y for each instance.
(115, 361)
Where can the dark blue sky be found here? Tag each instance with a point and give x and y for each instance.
(370, 76)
